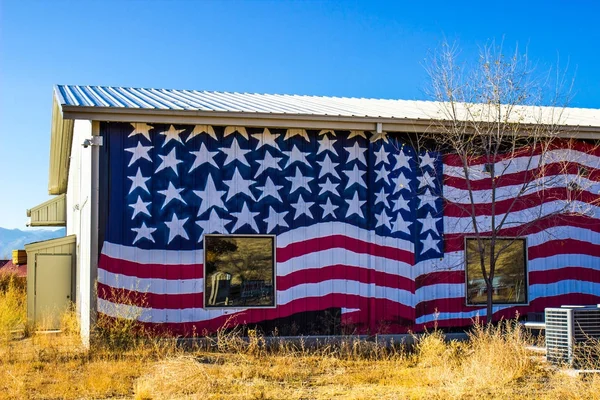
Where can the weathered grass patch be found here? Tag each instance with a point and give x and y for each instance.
(494, 363)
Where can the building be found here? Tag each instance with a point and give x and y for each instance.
(187, 210)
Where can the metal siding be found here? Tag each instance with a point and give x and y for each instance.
(359, 303)
(49, 213)
(311, 288)
(64, 245)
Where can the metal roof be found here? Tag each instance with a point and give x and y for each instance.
(122, 98)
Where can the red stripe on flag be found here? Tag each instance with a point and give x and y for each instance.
(339, 241)
(455, 241)
(390, 316)
(351, 273)
(522, 203)
(519, 178)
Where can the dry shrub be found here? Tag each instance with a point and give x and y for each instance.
(125, 332)
(497, 355)
(13, 304)
(173, 377)
(432, 350)
(69, 322)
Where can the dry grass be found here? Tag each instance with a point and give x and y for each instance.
(13, 305)
(126, 364)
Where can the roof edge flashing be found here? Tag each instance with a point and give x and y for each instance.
(61, 136)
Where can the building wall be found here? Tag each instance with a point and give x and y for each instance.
(364, 241)
(79, 204)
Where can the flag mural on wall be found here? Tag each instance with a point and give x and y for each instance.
(358, 224)
(559, 222)
(351, 216)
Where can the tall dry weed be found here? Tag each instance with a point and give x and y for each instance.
(13, 305)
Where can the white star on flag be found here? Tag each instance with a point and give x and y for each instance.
(427, 160)
(302, 208)
(140, 207)
(270, 189)
(245, 217)
(326, 131)
(354, 206)
(169, 161)
(210, 196)
(401, 204)
(328, 208)
(299, 181)
(141, 129)
(427, 198)
(382, 173)
(328, 167)
(379, 136)
(266, 138)
(296, 132)
(203, 156)
(429, 243)
(401, 183)
(400, 225)
(328, 186)
(274, 218)
(326, 144)
(171, 193)
(214, 224)
(176, 228)
(268, 162)
(381, 156)
(383, 220)
(402, 160)
(138, 153)
(200, 129)
(428, 223)
(355, 177)
(138, 181)
(355, 153)
(172, 134)
(381, 198)
(143, 232)
(233, 129)
(425, 180)
(237, 184)
(235, 152)
(357, 133)
(296, 156)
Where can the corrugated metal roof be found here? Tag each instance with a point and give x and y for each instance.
(232, 102)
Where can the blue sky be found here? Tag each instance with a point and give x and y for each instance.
(359, 49)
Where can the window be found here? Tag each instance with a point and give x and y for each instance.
(510, 277)
(239, 271)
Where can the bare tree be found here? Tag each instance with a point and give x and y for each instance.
(499, 121)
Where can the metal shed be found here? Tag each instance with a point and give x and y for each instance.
(51, 273)
(346, 233)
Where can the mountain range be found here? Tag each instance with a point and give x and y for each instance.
(16, 239)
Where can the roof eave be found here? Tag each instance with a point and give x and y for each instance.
(60, 149)
(272, 120)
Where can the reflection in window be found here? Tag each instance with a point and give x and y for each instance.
(239, 271)
(510, 277)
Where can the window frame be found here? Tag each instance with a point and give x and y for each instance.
(274, 270)
(525, 271)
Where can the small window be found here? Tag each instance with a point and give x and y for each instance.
(510, 277)
(583, 171)
(239, 271)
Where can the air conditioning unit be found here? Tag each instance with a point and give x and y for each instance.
(572, 334)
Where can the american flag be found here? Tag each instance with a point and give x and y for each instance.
(359, 225)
